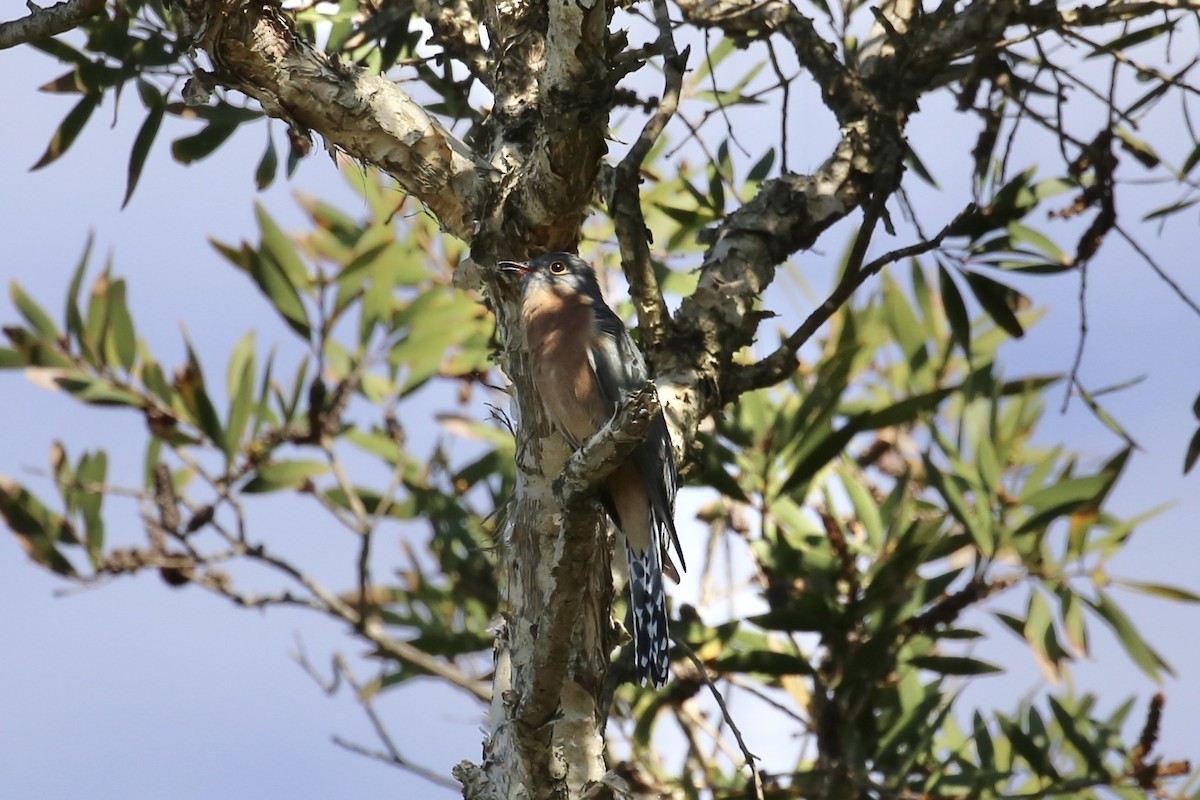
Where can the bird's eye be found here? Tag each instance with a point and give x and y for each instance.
(558, 268)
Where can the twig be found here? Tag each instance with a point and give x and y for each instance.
(750, 758)
(785, 84)
(688, 717)
(1099, 152)
(1077, 361)
(391, 755)
(1163, 276)
(712, 80)
(782, 362)
(397, 761)
(752, 688)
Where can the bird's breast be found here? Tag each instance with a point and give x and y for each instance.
(559, 331)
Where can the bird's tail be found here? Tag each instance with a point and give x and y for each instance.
(648, 601)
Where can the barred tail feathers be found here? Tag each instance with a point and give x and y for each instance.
(648, 602)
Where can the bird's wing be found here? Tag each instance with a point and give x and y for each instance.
(619, 369)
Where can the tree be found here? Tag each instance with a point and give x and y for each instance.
(879, 485)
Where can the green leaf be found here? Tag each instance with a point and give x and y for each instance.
(1039, 633)
(37, 530)
(120, 326)
(264, 174)
(274, 283)
(999, 301)
(67, 132)
(1168, 210)
(153, 455)
(906, 328)
(865, 508)
(91, 474)
(1193, 452)
(189, 149)
(912, 160)
(1159, 590)
(1142, 654)
(1191, 161)
(273, 476)
(240, 379)
(957, 504)
(1107, 419)
(983, 742)
(1160, 89)
(95, 330)
(1062, 498)
(1019, 233)
(907, 410)
(1073, 621)
(38, 319)
(95, 391)
(764, 662)
(1069, 725)
(11, 358)
(758, 173)
(141, 148)
(280, 248)
(824, 450)
(189, 383)
(74, 321)
(1024, 745)
(956, 311)
(1142, 152)
(955, 665)
(1133, 38)
(808, 611)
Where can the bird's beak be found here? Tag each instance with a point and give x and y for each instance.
(514, 267)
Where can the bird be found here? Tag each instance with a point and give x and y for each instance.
(583, 363)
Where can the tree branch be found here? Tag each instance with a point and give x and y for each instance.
(255, 49)
(625, 204)
(43, 22)
(600, 455)
(788, 213)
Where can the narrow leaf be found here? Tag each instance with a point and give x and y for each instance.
(956, 310)
(273, 476)
(189, 149)
(1193, 452)
(141, 149)
(123, 338)
(264, 174)
(74, 320)
(38, 319)
(999, 301)
(279, 247)
(65, 136)
(955, 665)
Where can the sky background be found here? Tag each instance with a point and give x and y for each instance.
(134, 690)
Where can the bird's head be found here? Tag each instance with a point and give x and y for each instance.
(561, 273)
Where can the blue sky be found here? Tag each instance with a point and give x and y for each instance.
(133, 690)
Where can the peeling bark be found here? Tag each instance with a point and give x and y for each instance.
(255, 49)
